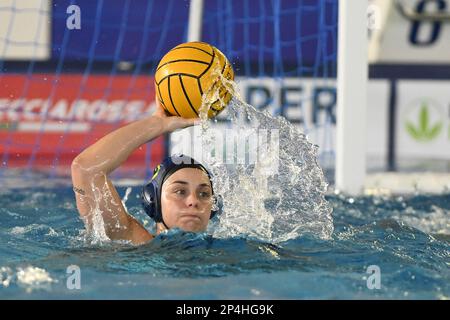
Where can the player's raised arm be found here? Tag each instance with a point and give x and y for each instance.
(95, 194)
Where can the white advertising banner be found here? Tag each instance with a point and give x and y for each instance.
(423, 119)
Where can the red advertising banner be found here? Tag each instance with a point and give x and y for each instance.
(48, 119)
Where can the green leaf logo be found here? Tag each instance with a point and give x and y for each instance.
(423, 131)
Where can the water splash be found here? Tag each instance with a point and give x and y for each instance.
(29, 277)
(6, 276)
(34, 229)
(33, 276)
(271, 205)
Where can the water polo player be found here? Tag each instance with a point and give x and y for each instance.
(180, 194)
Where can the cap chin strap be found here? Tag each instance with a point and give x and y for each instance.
(165, 225)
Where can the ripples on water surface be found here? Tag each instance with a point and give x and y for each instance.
(407, 237)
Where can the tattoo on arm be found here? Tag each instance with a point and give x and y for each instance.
(78, 190)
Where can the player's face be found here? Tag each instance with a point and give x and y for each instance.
(186, 200)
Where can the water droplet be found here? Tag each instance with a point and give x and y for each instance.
(256, 292)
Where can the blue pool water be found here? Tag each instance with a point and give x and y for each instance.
(408, 238)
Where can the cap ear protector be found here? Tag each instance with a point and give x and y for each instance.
(151, 192)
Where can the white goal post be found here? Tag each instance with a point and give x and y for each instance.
(352, 81)
(195, 20)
